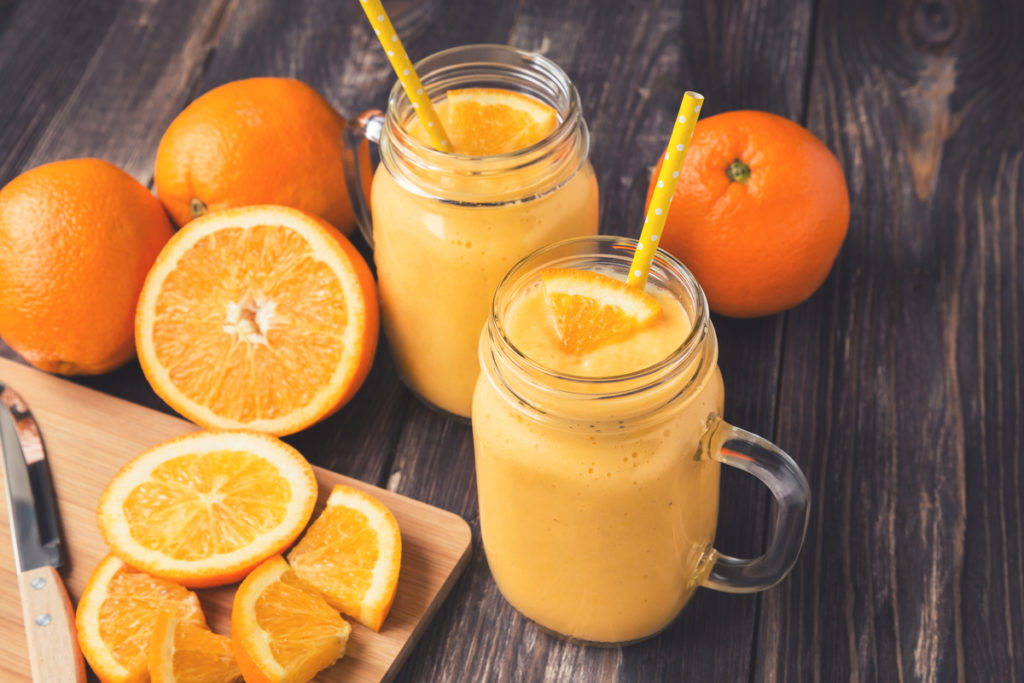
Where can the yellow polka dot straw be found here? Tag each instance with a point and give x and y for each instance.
(682, 131)
(406, 74)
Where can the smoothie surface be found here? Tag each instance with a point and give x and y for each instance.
(530, 327)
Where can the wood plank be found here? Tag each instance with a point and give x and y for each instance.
(104, 81)
(903, 377)
(89, 436)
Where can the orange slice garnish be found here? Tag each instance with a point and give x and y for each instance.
(116, 614)
(205, 508)
(352, 554)
(281, 630)
(183, 651)
(261, 318)
(487, 121)
(589, 309)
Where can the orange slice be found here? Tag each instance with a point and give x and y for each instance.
(487, 121)
(116, 614)
(280, 629)
(261, 318)
(205, 508)
(352, 554)
(186, 652)
(590, 308)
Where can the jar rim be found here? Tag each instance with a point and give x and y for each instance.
(665, 268)
(437, 69)
(496, 180)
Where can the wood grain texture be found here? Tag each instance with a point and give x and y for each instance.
(89, 436)
(49, 622)
(902, 377)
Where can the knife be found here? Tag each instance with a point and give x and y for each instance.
(32, 510)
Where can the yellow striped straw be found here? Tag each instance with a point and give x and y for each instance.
(406, 74)
(682, 131)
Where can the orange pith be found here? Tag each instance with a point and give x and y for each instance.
(260, 318)
(589, 308)
(203, 509)
(281, 630)
(115, 618)
(186, 652)
(487, 121)
(352, 554)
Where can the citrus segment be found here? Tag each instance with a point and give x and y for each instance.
(487, 121)
(352, 554)
(591, 308)
(205, 508)
(280, 629)
(116, 614)
(186, 652)
(259, 318)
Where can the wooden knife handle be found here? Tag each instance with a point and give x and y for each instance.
(50, 627)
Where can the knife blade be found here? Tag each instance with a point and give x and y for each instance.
(35, 536)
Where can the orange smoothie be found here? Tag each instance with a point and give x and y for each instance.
(446, 231)
(597, 515)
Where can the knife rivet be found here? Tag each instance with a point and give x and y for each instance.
(43, 619)
(38, 583)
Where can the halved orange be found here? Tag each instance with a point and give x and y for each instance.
(261, 318)
(281, 630)
(186, 652)
(486, 121)
(590, 308)
(116, 614)
(352, 554)
(205, 508)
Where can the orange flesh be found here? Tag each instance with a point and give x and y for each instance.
(223, 501)
(302, 628)
(280, 313)
(126, 616)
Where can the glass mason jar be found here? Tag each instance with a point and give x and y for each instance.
(446, 227)
(599, 495)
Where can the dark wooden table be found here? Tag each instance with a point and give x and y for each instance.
(897, 387)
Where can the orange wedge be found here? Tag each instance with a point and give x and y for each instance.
(261, 318)
(487, 121)
(589, 309)
(205, 508)
(281, 630)
(352, 554)
(186, 652)
(116, 614)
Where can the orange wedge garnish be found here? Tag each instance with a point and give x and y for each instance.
(352, 554)
(183, 651)
(205, 508)
(589, 309)
(487, 121)
(116, 614)
(281, 630)
(261, 318)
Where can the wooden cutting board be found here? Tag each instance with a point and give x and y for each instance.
(89, 435)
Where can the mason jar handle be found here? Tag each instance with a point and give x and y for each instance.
(356, 164)
(740, 449)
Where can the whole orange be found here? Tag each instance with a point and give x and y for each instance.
(759, 213)
(77, 238)
(255, 141)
